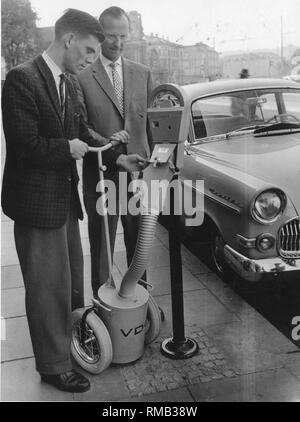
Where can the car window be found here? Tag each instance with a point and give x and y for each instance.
(268, 106)
(292, 103)
(214, 106)
(220, 114)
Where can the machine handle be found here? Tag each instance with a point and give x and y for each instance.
(102, 148)
(102, 168)
(105, 147)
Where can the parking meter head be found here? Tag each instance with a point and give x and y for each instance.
(168, 120)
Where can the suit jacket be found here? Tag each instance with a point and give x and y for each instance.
(39, 171)
(103, 111)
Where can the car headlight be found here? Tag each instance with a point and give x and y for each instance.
(268, 206)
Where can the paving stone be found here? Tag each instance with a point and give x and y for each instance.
(209, 365)
(13, 302)
(194, 264)
(216, 376)
(229, 374)
(172, 373)
(219, 362)
(21, 382)
(205, 379)
(163, 396)
(293, 367)
(9, 256)
(11, 277)
(17, 344)
(149, 390)
(226, 295)
(249, 346)
(172, 386)
(160, 278)
(201, 309)
(7, 228)
(106, 386)
(201, 345)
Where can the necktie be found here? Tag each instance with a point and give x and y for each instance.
(62, 95)
(118, 86)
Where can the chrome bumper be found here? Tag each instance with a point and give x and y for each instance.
(255, 269)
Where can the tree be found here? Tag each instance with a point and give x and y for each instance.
(19, 36)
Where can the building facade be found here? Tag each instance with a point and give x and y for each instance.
(171, 62)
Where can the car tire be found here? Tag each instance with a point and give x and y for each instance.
(153, 321)
(217, 256)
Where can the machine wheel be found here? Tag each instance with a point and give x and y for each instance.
(95, 353)
(153, 321)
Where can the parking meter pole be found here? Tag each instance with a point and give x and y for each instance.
(178, 346)
(176, 285)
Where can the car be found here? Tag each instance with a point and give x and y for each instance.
(244, 142)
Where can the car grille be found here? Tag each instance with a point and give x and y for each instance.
(289, 239)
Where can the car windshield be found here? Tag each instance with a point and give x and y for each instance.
(242, 110)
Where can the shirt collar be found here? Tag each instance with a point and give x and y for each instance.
(56, 71)
(106, 62)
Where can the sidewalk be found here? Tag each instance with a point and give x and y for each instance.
(242, 357)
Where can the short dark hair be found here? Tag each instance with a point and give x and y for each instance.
(115, 12)
(80, 23)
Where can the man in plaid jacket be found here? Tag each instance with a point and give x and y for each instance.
(45, 135)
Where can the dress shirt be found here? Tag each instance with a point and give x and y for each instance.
(55, 70)
(106, 63)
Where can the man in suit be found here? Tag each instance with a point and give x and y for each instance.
(42, 126)
(115, 93)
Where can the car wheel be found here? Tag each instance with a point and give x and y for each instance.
(154, 318)
(218, 257)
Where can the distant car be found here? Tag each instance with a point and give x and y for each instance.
(244, 142)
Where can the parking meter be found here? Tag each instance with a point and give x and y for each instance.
(168, 124)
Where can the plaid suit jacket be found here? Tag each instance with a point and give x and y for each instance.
(39, 171)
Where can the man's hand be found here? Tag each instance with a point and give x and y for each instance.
(78, 148)
(122, 137)
(131, 162)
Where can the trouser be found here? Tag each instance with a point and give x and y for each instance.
(52, 266)
(99, 259)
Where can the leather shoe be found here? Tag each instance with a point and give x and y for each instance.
(70, 381)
